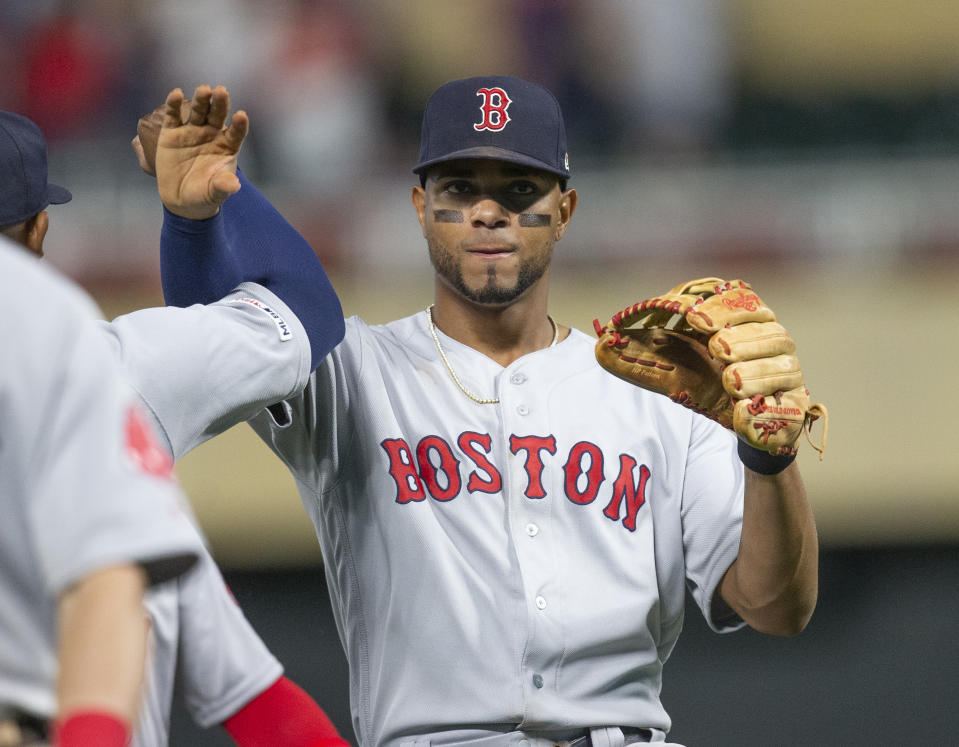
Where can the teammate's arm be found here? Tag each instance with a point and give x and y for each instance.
(263, 352)
(102, 644)
(229, 677)
(209, 245)
(773, 583)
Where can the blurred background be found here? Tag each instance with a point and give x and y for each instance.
(812, 149)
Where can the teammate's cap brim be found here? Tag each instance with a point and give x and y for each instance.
(57, 195)
(489, 152)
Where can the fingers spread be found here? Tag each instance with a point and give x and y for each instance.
(201, 105)
(236, 132)
(219, 107)
(171, 114)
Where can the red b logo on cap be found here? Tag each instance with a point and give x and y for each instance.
(495, 103)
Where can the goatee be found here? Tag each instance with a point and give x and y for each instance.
(492, 293)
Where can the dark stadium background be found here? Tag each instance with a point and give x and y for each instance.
(876, 666)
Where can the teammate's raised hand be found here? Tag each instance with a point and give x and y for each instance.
(148, 132)
(196, 152)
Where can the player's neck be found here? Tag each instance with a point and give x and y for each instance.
(502, 334)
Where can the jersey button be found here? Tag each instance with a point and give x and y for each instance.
(541, 603)
(537, 680)
(522, 410)
(532, 530)
(518, 378)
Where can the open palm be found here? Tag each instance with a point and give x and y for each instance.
(196, 158)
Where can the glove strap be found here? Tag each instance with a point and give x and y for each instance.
(815, 412)
(762, 461)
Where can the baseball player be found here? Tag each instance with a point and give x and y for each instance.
(196, 630)
(508, 531)
(91, 516)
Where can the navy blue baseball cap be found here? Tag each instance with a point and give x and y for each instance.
(497, 117)
(24, 190)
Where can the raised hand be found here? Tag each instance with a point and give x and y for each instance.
(196, 152)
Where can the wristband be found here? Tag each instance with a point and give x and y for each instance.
(762, 461)
(84, 728)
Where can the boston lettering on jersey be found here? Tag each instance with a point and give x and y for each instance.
(584, 472)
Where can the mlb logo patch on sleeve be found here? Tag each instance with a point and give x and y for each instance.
(281, 326)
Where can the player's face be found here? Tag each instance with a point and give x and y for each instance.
(490, 226)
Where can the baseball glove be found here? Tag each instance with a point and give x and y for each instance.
(715, 347)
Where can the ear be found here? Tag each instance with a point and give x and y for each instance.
(34, 232)
(567, 206)
(418, 197)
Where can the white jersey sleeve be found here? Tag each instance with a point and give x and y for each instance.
(83, 482)
(205, 368)
(711, 517)
(161, 605)
(200, 637)
(223, 662)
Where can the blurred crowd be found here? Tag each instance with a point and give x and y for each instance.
(335, 88)
(342, 83)
(345, 80)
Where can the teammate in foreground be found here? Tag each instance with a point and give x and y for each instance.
(508, 530)
(91, 517)
(228, 675)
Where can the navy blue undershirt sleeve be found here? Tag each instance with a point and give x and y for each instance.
(201, 261)
(196, 261)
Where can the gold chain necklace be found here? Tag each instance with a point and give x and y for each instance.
(456, 379)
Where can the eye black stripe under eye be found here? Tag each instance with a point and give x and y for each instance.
(534, 220)
(448, 216)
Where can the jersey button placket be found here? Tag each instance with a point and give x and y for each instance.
(524, 415)
(518, 378)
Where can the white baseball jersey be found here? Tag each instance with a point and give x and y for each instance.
(199, 634)
(83, 482)
(498, 571)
